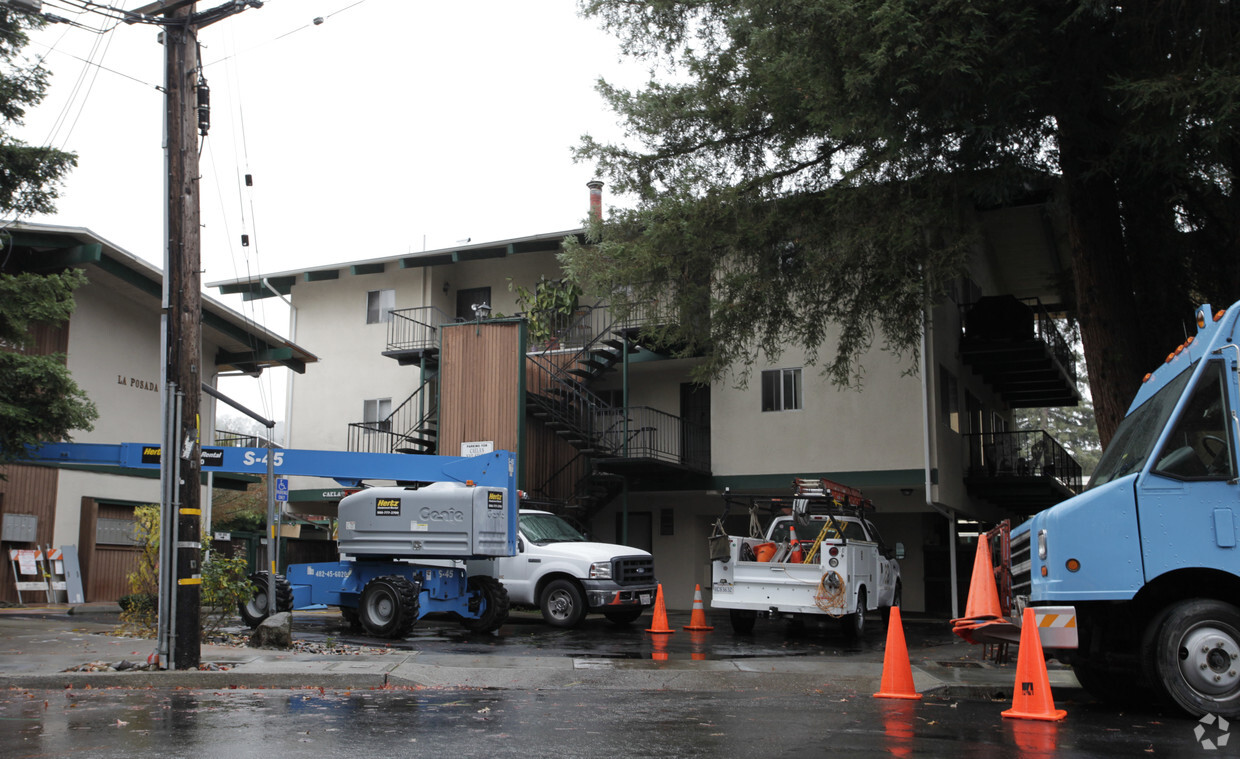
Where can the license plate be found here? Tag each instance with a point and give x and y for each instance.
(723, 588)
(645, 598)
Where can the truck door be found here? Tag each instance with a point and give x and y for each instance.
(1188, 500)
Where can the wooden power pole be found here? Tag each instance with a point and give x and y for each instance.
(186, 117)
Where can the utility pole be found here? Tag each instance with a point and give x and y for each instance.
(186, 116)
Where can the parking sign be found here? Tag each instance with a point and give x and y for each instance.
(281, 488)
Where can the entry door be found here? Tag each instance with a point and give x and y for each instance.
(695, 427)
(467, 299)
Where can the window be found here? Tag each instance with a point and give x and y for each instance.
(949, 399)
(375, 414)
(1199, 446)
(781, 390)
(379, 305)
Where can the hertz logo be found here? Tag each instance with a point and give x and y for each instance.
(387, 507)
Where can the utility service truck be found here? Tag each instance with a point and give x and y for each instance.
(1146, 560)
(819, 557)
(566, 575)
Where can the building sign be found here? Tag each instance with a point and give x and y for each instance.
(478, 448)
(137, 384)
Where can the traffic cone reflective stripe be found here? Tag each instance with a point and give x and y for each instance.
(1031, 695)
(660, 614)
(983, 602)
(797, 556)
(897, 671)
(697, 620)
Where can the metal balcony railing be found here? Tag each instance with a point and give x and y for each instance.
(413, 329)
(411, 428)
(241, 440)
(1022, 454)
(978, 320)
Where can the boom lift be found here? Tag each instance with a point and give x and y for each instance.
(400, 546)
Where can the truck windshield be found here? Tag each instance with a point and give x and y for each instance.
(541, 529)
(1135, 438)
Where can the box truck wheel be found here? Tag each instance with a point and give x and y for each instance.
(562, 603)
(389, 606)
(1195, 656)
(255, 610)
(493, 600)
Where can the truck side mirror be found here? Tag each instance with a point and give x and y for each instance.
(520, 544)
(899, 551)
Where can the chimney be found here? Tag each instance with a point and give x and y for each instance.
(596, 199)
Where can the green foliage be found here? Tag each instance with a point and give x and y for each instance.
(225, 581)
(820, 162)
(142, 618)
(225, 584)
(31, 175)
(549, 307)
(39, 401)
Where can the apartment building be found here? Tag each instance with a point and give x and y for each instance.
(431, 353)
(112, 345)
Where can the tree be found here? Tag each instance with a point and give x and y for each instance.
(39, 400)
(817, 162)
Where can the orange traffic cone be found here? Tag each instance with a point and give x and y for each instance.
(897, 671)
(1031, 696)
(660, 614)
(797, 556)
(697, 620)
(983, 594)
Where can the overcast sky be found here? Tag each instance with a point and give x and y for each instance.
(392, 126)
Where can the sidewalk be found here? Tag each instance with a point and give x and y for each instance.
(38, 643)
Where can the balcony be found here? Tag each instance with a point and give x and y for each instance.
(1016, 348)
(1024, 471)
(413, 335)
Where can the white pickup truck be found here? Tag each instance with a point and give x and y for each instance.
(566, 576)
(845, 575)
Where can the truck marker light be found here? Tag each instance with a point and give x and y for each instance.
(1073, 565)
(1170, 357)
(1219, 315)
(1044, 570)
(835, 551)
(1147, 376)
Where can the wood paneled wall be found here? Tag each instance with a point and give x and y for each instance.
(480, 393)
(28, 490)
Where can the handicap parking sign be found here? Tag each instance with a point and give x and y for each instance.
(281, 488)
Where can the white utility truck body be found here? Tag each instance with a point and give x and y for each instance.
(844, 570)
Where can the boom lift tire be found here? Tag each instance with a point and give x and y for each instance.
(351, 618)
(562, 603)
(742, 620)
(389, 606)
(494, 599)
(854, 624)
(1193, 656)
(255, 610)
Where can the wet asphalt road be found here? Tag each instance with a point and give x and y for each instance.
(576, 721)
(563, 723)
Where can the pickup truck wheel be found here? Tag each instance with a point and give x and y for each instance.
(256, 609)
(742, 621)
(854, 624)
(562, 603)
(389, 606)
(895, 601)
(626, 617)
(1196, 656)
(494, 600)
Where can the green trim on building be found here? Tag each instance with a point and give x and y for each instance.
(357, 269)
